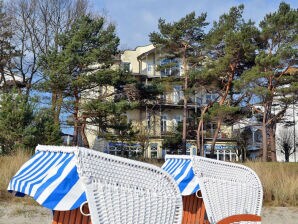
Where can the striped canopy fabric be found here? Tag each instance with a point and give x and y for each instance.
(51, 178)
(180, 168)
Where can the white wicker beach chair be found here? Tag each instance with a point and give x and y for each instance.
(231, 192)
(120, 190)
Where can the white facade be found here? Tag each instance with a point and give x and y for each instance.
(291, 117)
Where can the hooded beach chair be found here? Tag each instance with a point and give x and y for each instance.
(117, 190)
(121, 190)
(231, 193)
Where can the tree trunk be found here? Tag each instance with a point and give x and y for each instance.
(272, 142)
(221, 102)
(219, 122)
(264, 136)
(58, 108)
(199, 133)
(287, 150)
(75, 117)
(185, 97)
(83, 133)
(57, 100)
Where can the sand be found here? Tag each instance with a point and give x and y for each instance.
(17, 213)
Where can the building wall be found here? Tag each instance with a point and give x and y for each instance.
(130, 56)
(291, 116)
(163, 118)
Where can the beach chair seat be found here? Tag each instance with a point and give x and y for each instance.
(194, 211)
(72, 216)
(121, 190)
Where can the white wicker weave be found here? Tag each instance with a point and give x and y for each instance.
(227, 188)
(124, 191)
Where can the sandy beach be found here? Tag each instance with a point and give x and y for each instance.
(17, 213)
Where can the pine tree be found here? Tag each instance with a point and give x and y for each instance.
(85, 53)
(269, 80)
(7, 50)
(230, 49)
(16, 117)
(181, 40)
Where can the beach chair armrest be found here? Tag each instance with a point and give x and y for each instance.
(241, 217)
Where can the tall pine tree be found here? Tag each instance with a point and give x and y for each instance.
(85, 52)
(230, 48)
(269, 80)
(182, 40)
(7, 51)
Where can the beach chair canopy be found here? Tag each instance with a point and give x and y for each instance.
(51, 178)
(180, 167)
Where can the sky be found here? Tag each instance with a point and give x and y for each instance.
(136, 19)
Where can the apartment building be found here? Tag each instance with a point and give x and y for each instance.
(160, 118)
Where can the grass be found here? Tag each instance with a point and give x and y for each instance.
(9, 165)
(279, 180)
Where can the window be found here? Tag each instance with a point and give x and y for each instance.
(163, 124)
(163, 98)
(210, 98)
(177, 119)
(148, 121)
(150, 68)
(199, 101)
(177, 94)
(153, 149)
(172, 67)
(126, 66)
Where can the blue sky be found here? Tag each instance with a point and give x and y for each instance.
(135, 19)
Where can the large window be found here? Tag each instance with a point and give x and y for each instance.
(150, 68)
(178, 119)
(163, 124)
(177, 94)
(172, 67)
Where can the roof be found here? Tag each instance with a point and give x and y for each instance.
(51, 178)
(180, 168)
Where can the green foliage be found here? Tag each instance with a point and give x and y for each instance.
(228, 112)
(82, 62)
(106, 114)
(173, 141)
(46, 131)
(181, 39)
(16, 116)
(231, 45)
(7, 50)
(22, 127)
(181, 44)
(269, 78)
(86, 54)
